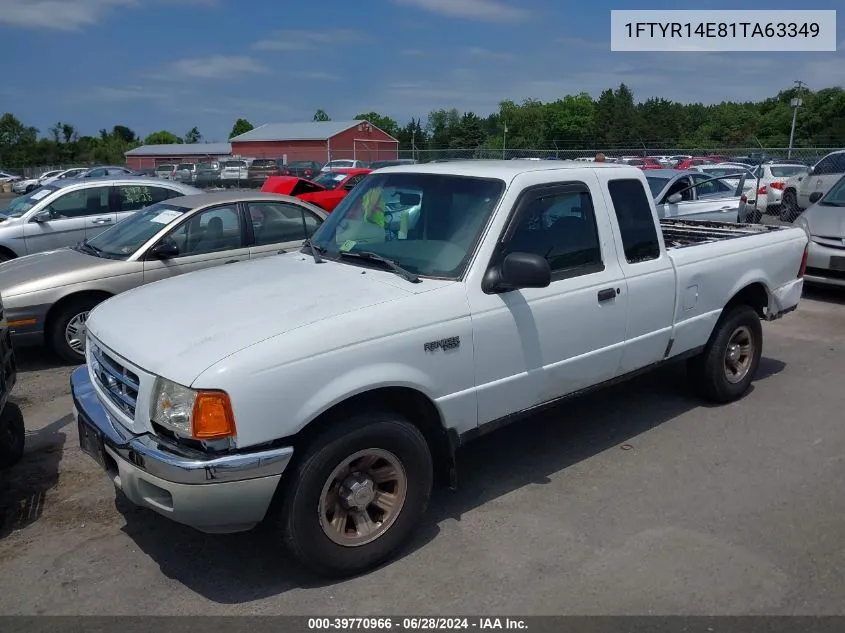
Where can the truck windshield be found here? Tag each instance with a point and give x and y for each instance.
(429, 224)
(127, 236)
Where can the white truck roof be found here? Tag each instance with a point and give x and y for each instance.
(503, 169)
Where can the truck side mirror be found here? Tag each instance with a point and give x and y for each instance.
(518, 270)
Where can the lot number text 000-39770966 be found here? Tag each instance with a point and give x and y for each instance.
(732, 30)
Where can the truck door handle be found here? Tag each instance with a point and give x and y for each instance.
(102, 221)
(607, 294)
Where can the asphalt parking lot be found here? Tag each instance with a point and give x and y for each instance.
(635, 500)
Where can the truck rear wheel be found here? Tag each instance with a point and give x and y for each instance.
(12, 435)
(356, 494)
(724, 370)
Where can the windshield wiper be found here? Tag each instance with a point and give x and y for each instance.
(315, 250)
(405, 274)
(85, 247)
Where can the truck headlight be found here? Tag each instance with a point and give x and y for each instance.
(199, 414)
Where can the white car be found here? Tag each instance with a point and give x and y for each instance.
(808, 188)
(343, 164)
(234, 171)
(7, 177)
(358, 364)
(28, 184)
(773, 179)
(64, 175)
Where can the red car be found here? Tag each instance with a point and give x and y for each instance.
(645, 163)
(693, 162)
(326, 190)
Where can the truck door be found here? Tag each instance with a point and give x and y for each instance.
(648, 271)
(537, 344)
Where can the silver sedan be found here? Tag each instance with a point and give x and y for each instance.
(47, 296)
(824, 222)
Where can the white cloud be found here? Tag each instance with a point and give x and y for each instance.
(481, 10)
(212, 67)
(483, 53)
(68, 15)
(61, 15)
(291, 40)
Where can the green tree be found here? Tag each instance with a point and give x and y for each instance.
(384, 123)
(123, 133)
(241, 126)
(320, 115)
(193, 135)
(162, 137)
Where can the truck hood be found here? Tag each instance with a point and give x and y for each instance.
(826, 221)
(290, 185)
(52, 269)
(179, 327)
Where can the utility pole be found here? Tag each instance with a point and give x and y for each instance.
(413, 143)
(796, 103)
(504, 140)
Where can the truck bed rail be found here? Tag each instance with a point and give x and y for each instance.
(684, 233)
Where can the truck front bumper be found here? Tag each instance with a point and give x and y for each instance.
(228, 493)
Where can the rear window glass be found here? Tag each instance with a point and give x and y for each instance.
(188, 166)
(263, 163)
(234, 163)
(786, 171)
(164, 168)
(636, 221)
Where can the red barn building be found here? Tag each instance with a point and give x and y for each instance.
(317, 140)
(148, 156)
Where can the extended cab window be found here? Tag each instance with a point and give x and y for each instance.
(559, 225)
(636, 221)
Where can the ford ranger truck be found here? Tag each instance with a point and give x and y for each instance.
(325, 391)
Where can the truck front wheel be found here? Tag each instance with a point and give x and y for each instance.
(724, 370)
(356, 494)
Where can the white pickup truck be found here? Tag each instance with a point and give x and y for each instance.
(325, 391)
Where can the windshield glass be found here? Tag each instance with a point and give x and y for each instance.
(330, 180)
(426, 223)
(724, 171)
(233, 163)
(263, 162)
(656, 185)
(207, 166)
(786, 171)
(164, 168)
(836, 196)
(127, 236)
(185, 166)
(22, 204)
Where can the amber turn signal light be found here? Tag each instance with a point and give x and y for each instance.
(212, 416)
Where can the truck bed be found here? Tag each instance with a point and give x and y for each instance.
(684, 233)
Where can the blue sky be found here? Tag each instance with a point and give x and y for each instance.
(173, 64)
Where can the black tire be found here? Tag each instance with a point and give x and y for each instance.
(58, 325)
(708, 372)
(297, 512)
(12, 435)
(789, 207)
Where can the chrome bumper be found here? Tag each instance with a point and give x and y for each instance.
(227, 493)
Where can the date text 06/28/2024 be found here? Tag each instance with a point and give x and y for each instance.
(708, 31)
(415, 624)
